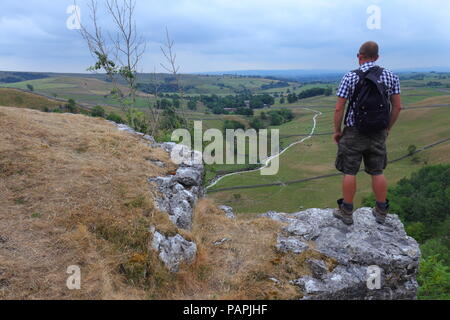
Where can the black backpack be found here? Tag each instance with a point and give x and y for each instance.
(371, 103)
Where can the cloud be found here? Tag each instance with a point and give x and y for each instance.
(246, 34)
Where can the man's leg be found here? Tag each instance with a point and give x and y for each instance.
(349, 188)
(345, 211)
(379, 186)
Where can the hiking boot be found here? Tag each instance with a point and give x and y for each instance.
(342, 214)
(380, 214)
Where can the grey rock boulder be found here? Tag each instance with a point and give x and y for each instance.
(228, 212)
(358, 249)
(189, 176)
(173, 250)
(292, 244)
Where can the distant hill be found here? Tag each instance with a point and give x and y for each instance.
(17, 98)
(295, 74)
(313, 74)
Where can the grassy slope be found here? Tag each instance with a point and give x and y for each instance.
(74, 191)
(86, 90)
(20, 99)
(316, 157)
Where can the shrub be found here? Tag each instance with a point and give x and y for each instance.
(232, 124)
(115, 118)
(71, 106)
(137, 120)
(417, 231)
(434, 279)
(257, 124)
(412, 149)
(98, 111)
(192, 105)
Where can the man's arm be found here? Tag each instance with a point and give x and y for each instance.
(396, 108)
(338, 117)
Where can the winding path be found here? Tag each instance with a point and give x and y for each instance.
(268, 160)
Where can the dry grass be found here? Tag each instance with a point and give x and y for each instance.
(241, 268)
(74, 191)
(17, 98)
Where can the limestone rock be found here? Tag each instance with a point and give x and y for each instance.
(357, 249)
(173, 250)
(228, 211)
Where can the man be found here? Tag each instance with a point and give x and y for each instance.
(355, 146)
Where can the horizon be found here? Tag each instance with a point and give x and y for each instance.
(217, 36)
(247, 72)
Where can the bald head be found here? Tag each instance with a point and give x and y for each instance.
(369, 50)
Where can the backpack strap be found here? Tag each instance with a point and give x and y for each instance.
(375, 77)
(362, 76)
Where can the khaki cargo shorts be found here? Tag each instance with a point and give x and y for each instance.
(355, 147)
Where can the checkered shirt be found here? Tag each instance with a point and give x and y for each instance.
(351, 79)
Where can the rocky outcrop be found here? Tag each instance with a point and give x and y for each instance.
(177, 197)
(365, 254)
(173, 250)
(361, 251)
(179, 193)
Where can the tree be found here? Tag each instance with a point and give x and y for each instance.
(71, 106)
(192, 105)
(165, 104)
(172, 67)
(30, 87)
(232, 124)
(176, 103)
(256, 102)
(423, 204)
(257, 124)
(171, 120)
(276, 119)
(434, 279)
(292, 97)
(120, 53)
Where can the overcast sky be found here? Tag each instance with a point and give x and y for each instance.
(221, 35)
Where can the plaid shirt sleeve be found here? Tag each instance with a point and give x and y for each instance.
(344, 88)
(396, 86)
(392, 82)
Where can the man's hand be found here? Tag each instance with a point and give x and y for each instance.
(337, 137)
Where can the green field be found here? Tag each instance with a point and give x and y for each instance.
(417, 126)
(316, 157)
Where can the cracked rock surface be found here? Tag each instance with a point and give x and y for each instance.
(357, 249)
(177, 197)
